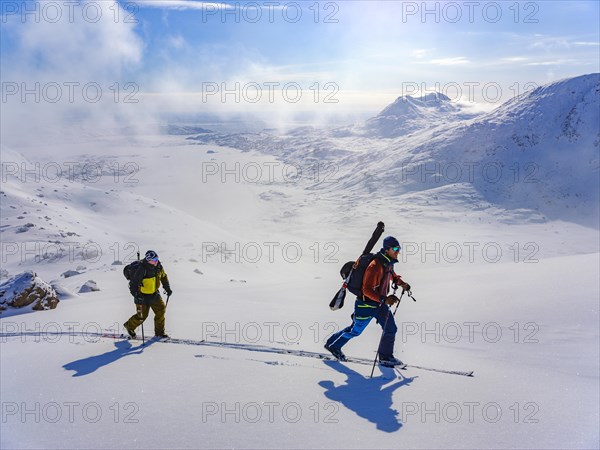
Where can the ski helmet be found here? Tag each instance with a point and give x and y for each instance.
(151, 255)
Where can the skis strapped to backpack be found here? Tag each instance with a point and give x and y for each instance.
(353, 271)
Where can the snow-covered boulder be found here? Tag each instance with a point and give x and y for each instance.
(27, 290)
(89, 286)
(70, 273)
(25, 228)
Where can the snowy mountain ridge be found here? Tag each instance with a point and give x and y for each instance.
(515, 157)
(409, 114)
(524, 153)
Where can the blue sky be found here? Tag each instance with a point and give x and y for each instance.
(369, 51)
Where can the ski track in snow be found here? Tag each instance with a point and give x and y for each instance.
(227, 345)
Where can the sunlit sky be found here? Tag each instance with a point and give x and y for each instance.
(360, 54)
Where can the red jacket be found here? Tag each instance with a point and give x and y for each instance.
(377, 280)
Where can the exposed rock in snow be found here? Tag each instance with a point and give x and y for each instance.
(70, 273)
(25, 228)
(89, 286)
(27, 290)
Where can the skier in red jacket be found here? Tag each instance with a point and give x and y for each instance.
(375, 303)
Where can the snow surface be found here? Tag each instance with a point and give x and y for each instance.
(508, 292)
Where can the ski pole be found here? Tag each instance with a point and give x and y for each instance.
(383, 331)
(167, 303)
(399, 300)
(141, 314)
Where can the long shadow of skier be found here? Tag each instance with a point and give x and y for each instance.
(86, 366)
(367, 397)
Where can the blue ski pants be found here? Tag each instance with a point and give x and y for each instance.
(364, 312)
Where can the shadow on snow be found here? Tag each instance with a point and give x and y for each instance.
(369, 398)
(89, 365)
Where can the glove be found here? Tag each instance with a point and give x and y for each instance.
(406, 287)
(391, 299)
(168, 291)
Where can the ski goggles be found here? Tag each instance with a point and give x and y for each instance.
(153, 261)
(396, 249)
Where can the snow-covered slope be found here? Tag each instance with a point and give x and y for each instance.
(502, 289)
(532, 345)
(539, 151)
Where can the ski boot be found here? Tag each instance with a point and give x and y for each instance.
(391, 361)
(336, 352)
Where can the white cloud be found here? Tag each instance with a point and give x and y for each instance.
(75, 50)
(420, 52)
(450, 61)
(551, 43)
(587, 44)
(177, 41)
(183, 4)
(554, 62)
(514, 59)
(75, 71)
(558, 43)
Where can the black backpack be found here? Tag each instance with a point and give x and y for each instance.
(130, 269)
(353, 273)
